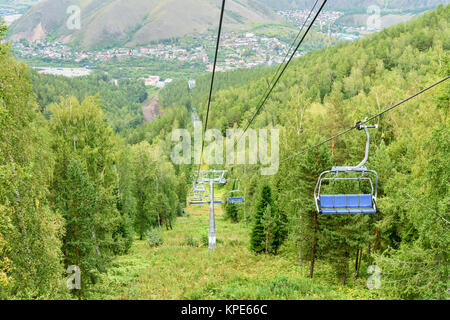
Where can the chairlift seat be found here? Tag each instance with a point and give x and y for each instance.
(350, 203)
(235, 200)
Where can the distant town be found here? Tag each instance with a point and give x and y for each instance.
(238, 50)
(298, 17)
(246, 50)
(327, 23)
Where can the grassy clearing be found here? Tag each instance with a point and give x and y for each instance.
(183, 268)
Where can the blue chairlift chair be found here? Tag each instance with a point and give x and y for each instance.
(235, 196)
(349, 203)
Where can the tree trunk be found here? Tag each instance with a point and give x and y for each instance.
(141, 212)
(300, 255)
(377, 240)
(359, 262)
(313, 253)
(20, 221)
(344, 278)
(157, 192)
(75, 233)
(267, 242)
(333, 143)
(313, 249)
(357, 259)
(77, 257)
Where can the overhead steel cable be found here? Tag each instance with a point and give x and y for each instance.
(289, 50)
(212, 80)
(365, 121)
(407, 99)
(266, 97)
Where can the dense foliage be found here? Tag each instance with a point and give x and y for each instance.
(121, 102)
(73, 192)
(69, 186)
(326, 92)
(30, 231)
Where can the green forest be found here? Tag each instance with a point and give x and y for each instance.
(85, 182)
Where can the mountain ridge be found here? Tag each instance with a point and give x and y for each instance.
(135, 22)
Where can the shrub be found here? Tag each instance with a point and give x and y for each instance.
(234, 242)
(231, 212)
(190, 241)
(204, 239)
(154, 237)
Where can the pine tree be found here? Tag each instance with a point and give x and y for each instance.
(77, 200)
(232, 210)
(340, 236)
(280, 231)
(80, 132)
(268, 222)
(268, 230)
(310, 166)
(258, 236)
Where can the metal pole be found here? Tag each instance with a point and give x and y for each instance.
(245, 217)
(212, 223)
(366, 156)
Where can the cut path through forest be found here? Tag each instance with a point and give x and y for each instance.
(183, 268)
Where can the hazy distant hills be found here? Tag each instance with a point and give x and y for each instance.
(106, 23)
(355, 4)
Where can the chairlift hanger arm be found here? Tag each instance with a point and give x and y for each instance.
(360, 166)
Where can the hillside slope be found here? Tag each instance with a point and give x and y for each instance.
(134, 22)
(183, 268)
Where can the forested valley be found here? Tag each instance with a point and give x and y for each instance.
(84, 181)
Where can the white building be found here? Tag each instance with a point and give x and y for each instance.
(152, 80)
(191, 84)
(67, 72)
